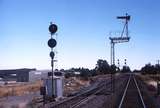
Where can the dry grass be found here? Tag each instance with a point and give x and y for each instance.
(74, 85)
(19, 89)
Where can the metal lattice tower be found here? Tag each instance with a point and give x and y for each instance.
(123, 38)
(115, 40)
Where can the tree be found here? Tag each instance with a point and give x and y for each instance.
(85, 73)
(125, 69)
(113, 69)
(102, 67)
(149, 69)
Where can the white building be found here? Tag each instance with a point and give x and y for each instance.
(38, 75)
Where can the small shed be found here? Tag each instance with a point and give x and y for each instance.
(57, 86)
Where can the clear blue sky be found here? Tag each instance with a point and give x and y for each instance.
(83, 33)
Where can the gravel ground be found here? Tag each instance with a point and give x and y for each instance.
(17, 101)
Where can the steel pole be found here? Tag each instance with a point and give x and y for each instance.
(52, 77)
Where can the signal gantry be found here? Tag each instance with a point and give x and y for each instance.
(124, 37)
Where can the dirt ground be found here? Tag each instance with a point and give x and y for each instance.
(19, 89)
(74, 84)
(151, 81)
(20, 94)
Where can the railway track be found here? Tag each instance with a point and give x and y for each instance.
(92, 96)
(87, 98)
(75, 101)
(132, 97)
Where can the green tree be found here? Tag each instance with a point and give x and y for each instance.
(102, 67)
(125, 69)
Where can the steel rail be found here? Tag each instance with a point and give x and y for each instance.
(124, 94)
(87, 98)
(81, 95)
(95, 90)
(139, 93)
